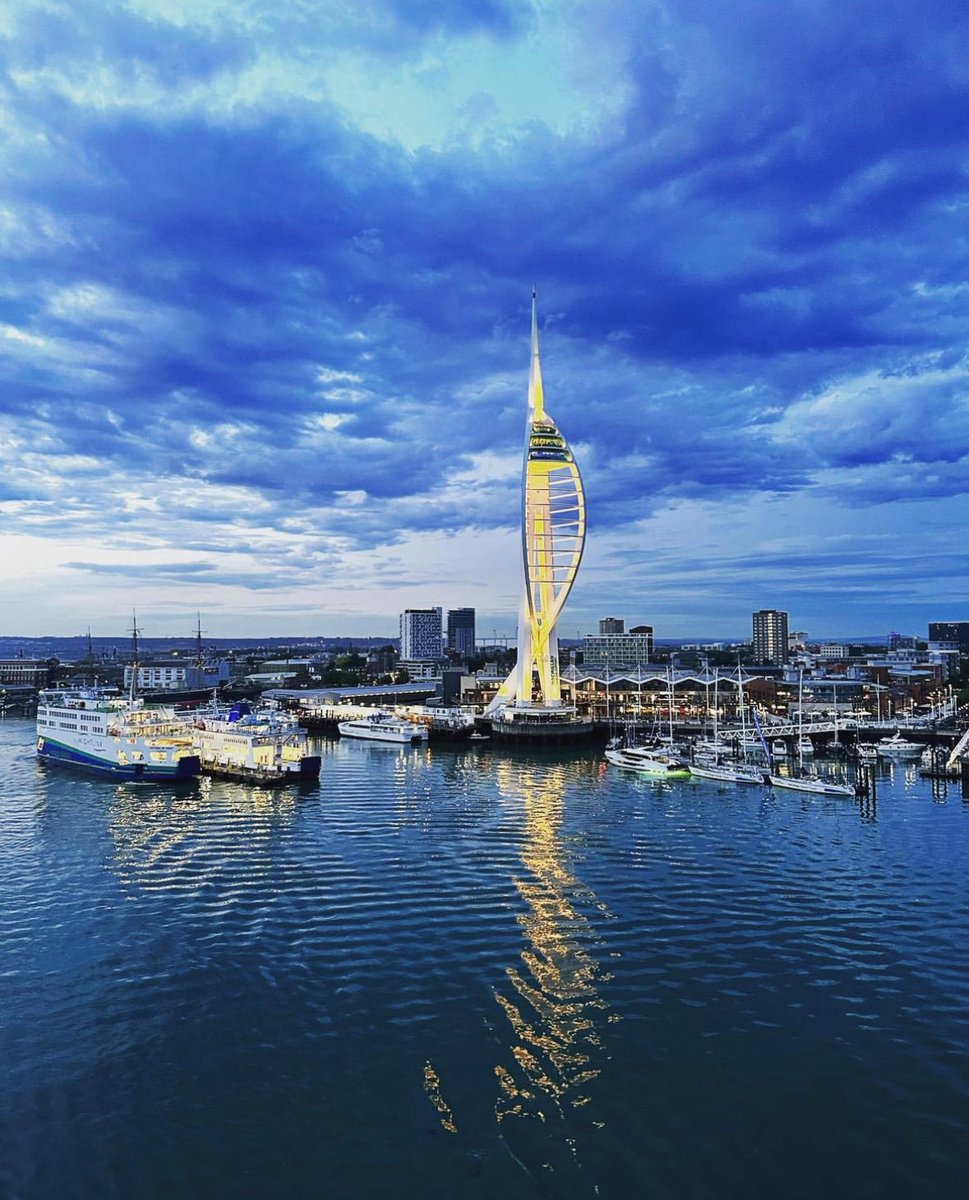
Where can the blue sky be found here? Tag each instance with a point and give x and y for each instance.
(265, 295)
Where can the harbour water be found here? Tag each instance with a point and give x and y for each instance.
(466, 972)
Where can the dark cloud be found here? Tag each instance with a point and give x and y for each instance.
(752, 282)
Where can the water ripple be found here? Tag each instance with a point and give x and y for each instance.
(481, 973)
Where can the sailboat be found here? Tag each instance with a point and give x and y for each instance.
(807, 781)
(710, 766)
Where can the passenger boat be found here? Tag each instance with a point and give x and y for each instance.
(125, 738)
(383, 727)
(648, 761)
(261, 744)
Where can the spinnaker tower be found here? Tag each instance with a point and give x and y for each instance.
(529, 702)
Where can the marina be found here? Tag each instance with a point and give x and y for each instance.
(485, 972)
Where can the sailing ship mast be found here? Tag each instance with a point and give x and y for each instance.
(133, 686)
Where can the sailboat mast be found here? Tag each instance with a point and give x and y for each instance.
(133, 688)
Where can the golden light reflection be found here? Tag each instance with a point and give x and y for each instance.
(161, 837)
(552, 1002)
(432, 1086)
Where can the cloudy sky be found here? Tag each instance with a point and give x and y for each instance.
(264, 309)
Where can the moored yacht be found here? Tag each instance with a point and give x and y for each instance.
(648, 761)
(898, 747)
(383, 727)
(731, 771)
(810, 781)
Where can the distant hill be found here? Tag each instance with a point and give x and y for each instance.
(73, 649)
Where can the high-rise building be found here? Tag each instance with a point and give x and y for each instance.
(421, 634)
(770, 636)
(611, 625)
(460, 631)
(955, 632)
(553, 537)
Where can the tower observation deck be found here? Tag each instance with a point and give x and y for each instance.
(529, 702)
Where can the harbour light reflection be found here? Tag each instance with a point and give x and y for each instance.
(552, 1000)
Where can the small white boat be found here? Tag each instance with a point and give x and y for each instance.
(898, 747)
(811, 782)
(383, 727)
(867, 752)
(649, 762)
(805, 747)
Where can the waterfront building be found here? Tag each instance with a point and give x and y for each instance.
(421, 668)
(421, 634)
(552, 540)
(770, 643)
(171, 675)
(461, 632)
(34, 672)
(619, 649)
(611, 625)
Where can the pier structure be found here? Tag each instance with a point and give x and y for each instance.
(528, 706)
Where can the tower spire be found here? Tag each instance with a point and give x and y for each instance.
(536, 397)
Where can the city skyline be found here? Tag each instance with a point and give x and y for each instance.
(265, 313)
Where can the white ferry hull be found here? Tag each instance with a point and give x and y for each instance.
(104, 759)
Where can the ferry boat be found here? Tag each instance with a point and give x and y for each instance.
(261, 745)
(383, 727)
(126, 738)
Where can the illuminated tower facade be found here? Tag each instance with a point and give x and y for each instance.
(553, 537)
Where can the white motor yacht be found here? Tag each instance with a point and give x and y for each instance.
(649, 761)
(898, 747)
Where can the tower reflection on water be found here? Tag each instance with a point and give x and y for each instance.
(551, 999)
